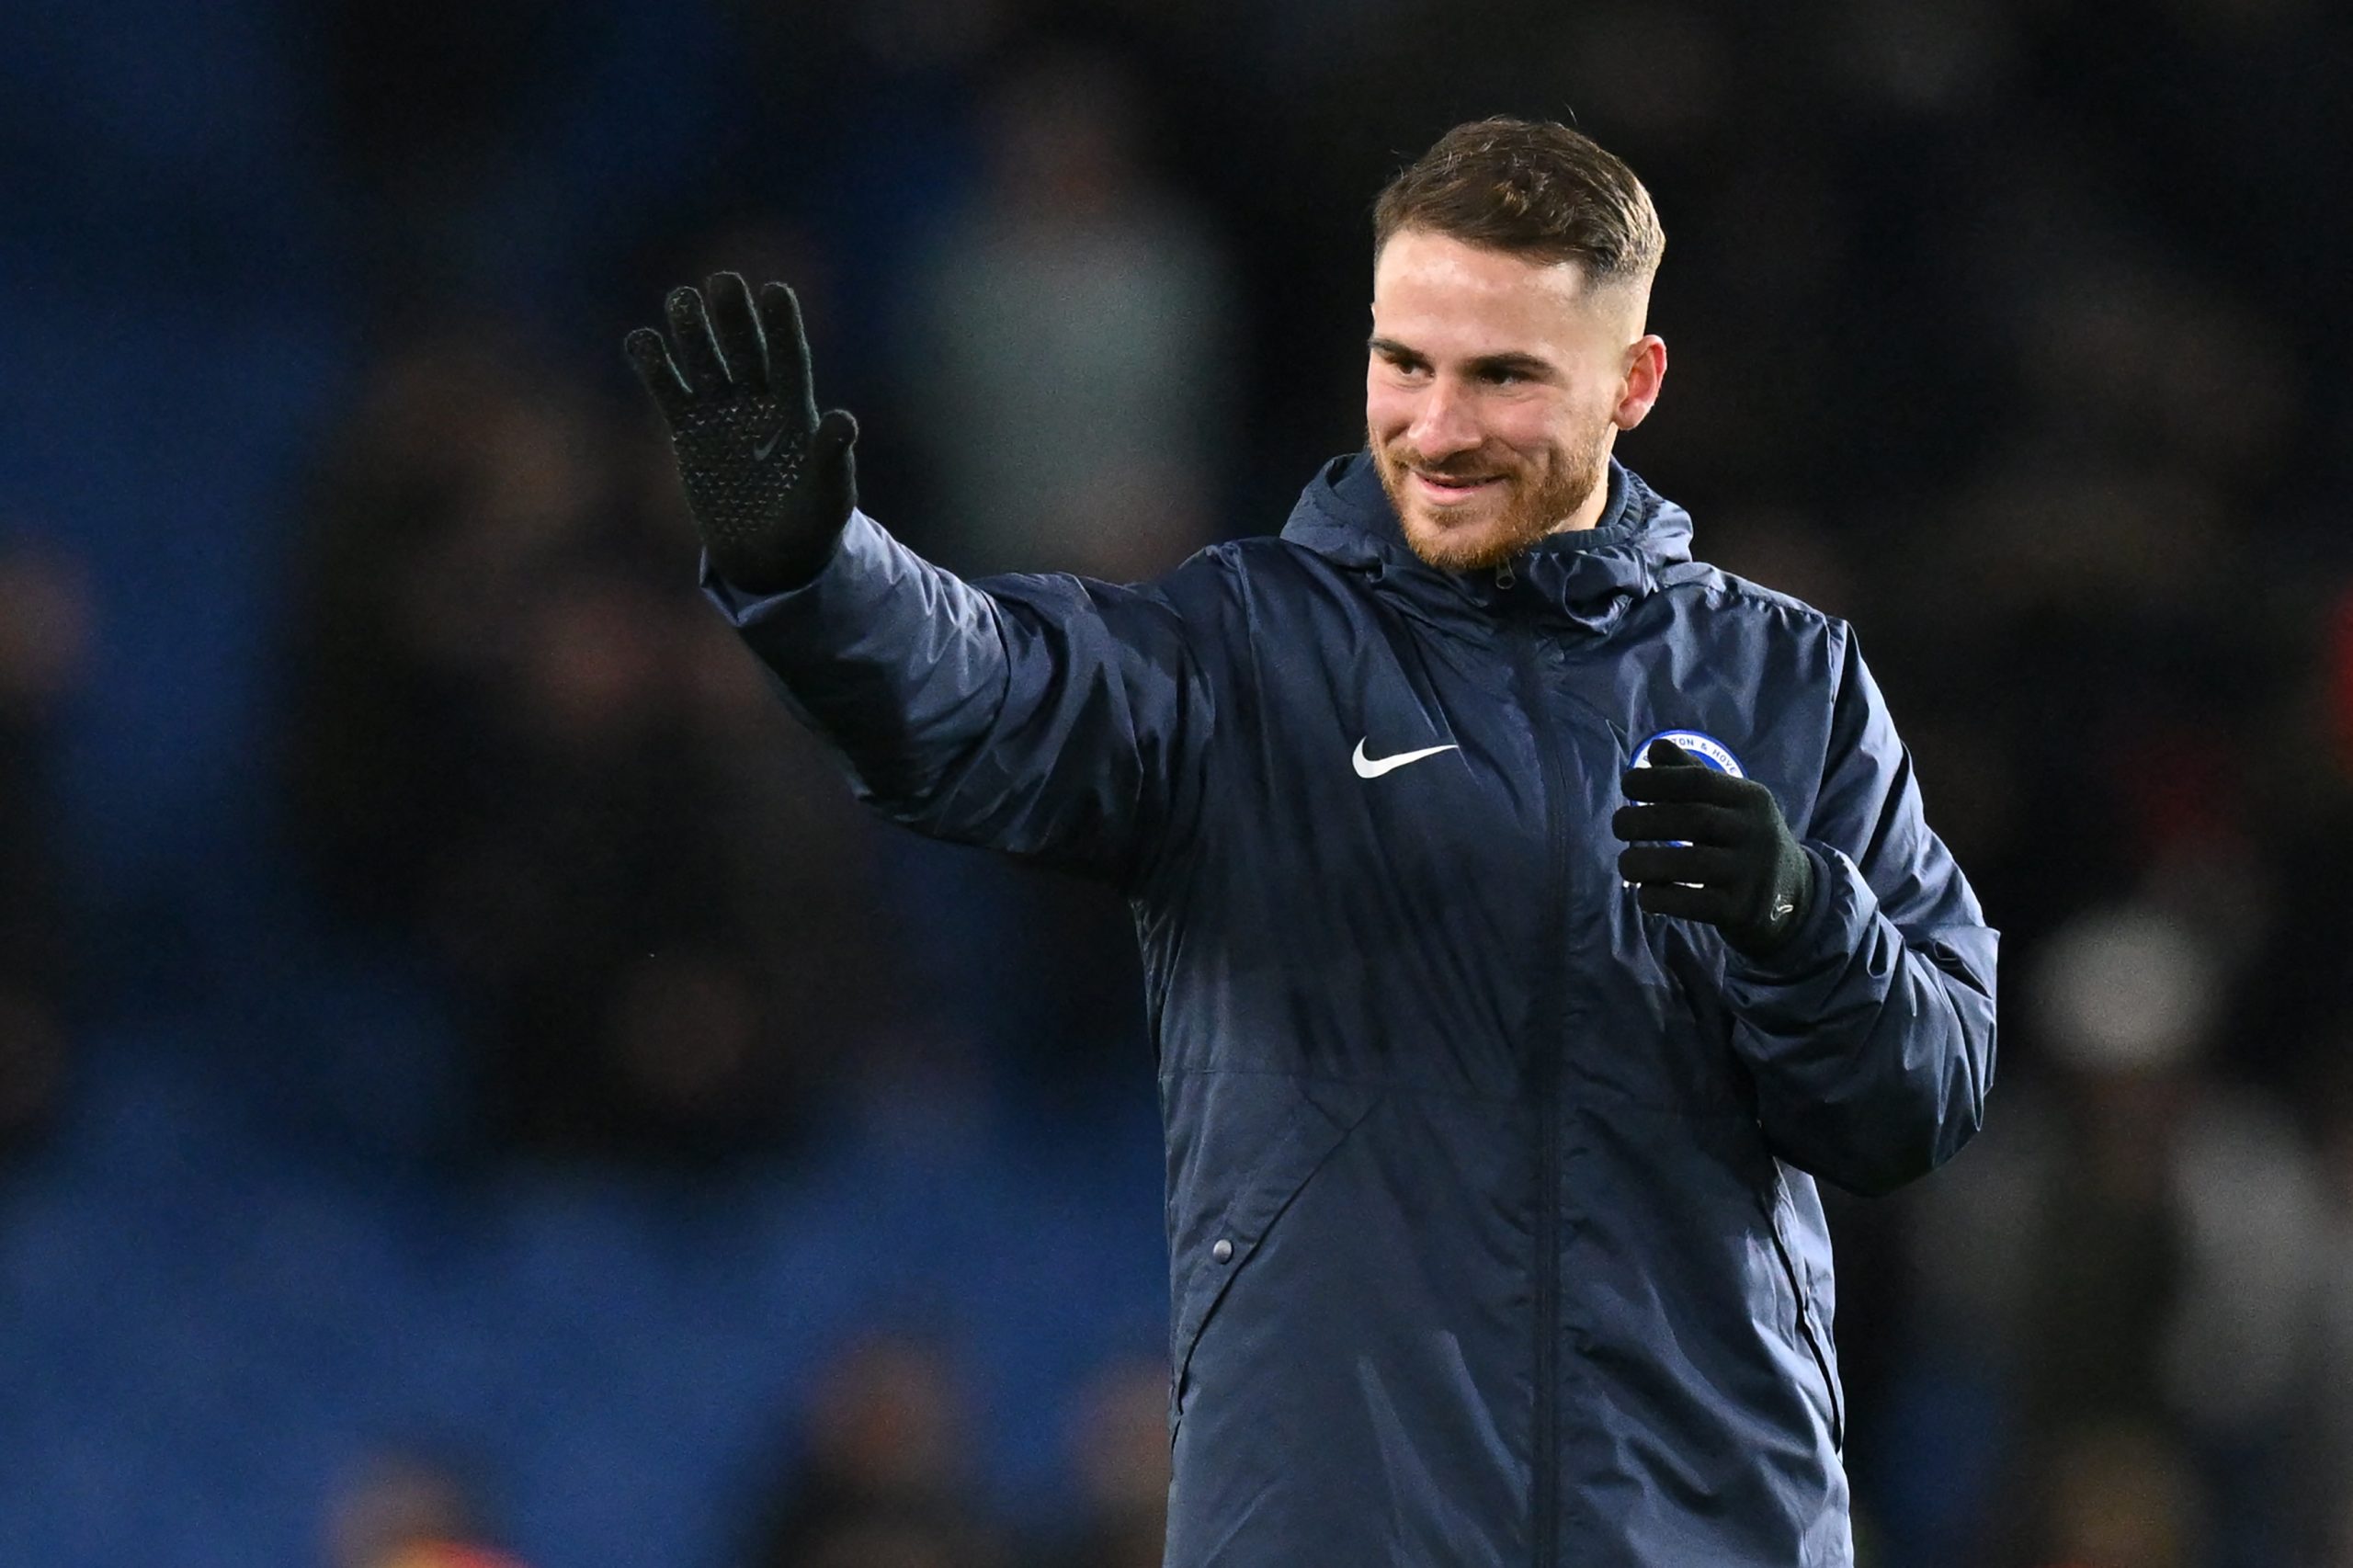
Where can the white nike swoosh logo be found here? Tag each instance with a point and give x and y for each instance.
(1370, 767)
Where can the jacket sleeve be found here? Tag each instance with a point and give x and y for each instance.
(1046, 716)
(1870, 1034)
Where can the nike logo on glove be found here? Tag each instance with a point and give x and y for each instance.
(767, 449)
(1373, 768)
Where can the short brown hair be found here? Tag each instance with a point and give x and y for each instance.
(1530, 187)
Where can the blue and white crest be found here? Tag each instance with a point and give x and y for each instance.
(1710, 751)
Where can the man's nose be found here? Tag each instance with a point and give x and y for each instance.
(1444, 425)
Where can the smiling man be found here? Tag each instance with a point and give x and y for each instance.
(1506, 354)
(1532, 913)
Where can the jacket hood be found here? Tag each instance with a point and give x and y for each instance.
(1589, 577)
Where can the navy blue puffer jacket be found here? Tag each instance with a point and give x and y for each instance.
(1493, 1230)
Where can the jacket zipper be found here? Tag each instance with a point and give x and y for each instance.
(1551, 1029)
(1804, 1305)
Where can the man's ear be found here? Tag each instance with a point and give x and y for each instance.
(1645, 371)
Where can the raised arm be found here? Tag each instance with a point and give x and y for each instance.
(1041, 715)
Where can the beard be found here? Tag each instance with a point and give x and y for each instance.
(1527, 508)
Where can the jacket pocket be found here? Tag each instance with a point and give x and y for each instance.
(1319, 1121)
(1812, 1332)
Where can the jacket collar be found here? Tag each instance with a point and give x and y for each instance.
(1588, 579)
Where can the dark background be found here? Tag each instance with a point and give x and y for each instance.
(466, 1069)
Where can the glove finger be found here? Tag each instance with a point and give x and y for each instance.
(1690, 822)
(1681, 784)
(789, 374)
(1683, 904)
(737, 329)
(832, 456)
(836, 434)
(699, 359)
(649, 355)
(1664, 753)
(1649, 863)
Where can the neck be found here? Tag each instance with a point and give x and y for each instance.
(1587, 516)
(1587, 513)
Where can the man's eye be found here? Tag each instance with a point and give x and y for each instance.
(1500, 378)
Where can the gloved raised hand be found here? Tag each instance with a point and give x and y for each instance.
(768, 482)
(1707, 845)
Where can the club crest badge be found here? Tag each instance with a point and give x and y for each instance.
(1710, 751)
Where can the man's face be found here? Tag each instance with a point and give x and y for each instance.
(1493, 392)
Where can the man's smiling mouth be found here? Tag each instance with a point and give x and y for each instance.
(1452, 486)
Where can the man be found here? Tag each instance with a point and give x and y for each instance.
(1530, 912)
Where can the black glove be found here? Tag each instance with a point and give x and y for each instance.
(1709, 847)
(768, 482)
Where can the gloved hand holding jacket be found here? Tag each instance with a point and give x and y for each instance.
(1714, 847)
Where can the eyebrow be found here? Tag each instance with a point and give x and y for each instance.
(1518, 364)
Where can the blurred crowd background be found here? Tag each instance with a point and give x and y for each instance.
(473, 1089)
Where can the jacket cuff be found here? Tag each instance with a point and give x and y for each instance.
(1799, 976)
(745, 609)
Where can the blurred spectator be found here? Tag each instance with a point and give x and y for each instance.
(455, 486)
(1071, 356)
(2120, 1496)
(2144, 1262)
(2129, 999)
(523, 741)
(44, 645)
(403, 1510)
(884, 1476)
(1119, 1452)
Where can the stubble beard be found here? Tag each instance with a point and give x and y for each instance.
(1529, 510)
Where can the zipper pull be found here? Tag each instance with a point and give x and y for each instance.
(1505, 578)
